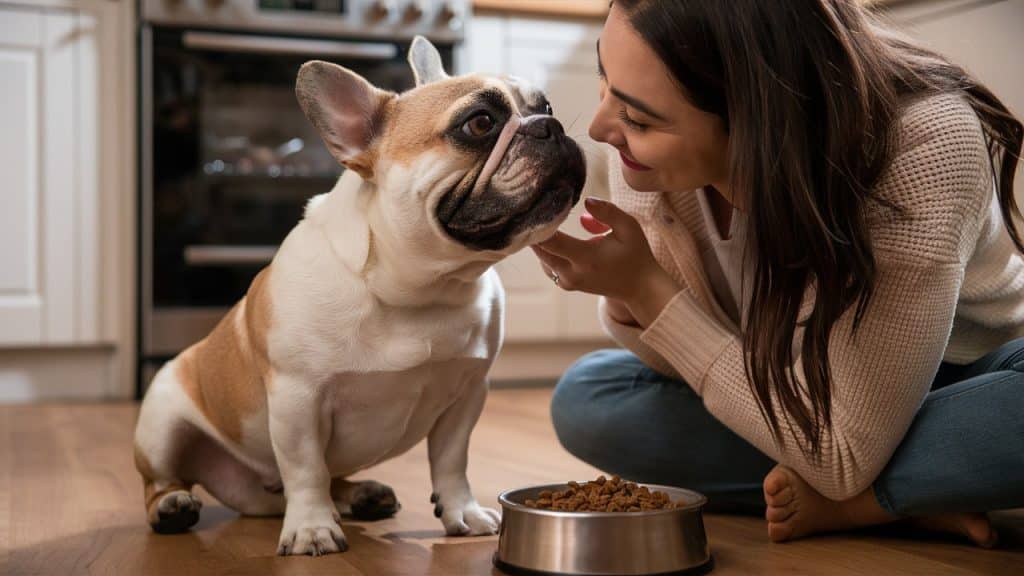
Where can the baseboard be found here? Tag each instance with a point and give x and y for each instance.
(523, 364)
(41, 374)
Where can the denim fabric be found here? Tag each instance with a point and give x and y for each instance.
(964, 450)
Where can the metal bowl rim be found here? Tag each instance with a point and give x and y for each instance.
(504, 500)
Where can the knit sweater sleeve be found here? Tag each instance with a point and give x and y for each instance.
(941, 185)
(629, 337)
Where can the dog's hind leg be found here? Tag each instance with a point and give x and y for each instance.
(232, 482)
(162, 439)
(366, 500)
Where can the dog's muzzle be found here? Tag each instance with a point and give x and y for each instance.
(497, 153)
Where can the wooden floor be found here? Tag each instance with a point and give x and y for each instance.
(71, 503)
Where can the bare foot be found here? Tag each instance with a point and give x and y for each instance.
(976, 527)
(795, 510)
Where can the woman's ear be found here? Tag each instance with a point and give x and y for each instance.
(345, 108)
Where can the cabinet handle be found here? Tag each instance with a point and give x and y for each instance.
(219, 255)
(281, 45)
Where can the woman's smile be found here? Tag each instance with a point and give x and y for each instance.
(632, 164)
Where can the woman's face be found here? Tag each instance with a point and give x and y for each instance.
(666, 143)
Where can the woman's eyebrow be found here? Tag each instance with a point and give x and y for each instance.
(632, 101)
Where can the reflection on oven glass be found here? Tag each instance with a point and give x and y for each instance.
(258, 130)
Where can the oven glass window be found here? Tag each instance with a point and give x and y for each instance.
(234, 163)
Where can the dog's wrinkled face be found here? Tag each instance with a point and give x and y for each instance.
(474, 162)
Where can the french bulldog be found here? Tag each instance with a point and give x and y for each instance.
(379, 317)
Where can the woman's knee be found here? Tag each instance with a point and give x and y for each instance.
(588, 389)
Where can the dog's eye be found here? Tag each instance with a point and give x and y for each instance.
(478, 125)
(548, 110)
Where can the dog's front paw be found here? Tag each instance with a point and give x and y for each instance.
(312, 531)
(471, 519)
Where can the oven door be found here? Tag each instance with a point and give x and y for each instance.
(228, 164)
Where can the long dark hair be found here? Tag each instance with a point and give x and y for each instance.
(811, 93)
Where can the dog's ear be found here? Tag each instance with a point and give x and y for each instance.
(345, 109)
(425, 61)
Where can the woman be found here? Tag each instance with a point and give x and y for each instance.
(812, 263)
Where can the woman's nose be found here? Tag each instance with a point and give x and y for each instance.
(603, 126)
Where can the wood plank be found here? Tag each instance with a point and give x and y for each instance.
(71, 503)
(563, 8)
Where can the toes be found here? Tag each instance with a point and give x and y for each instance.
(992, 541)
(313, 533)
(775, 481)
(493, 514)
(980, 531)
(780, 531)
(781, 498)
(176, 512)
(975, 527)
(284, 547)
(315, 542)
(456, 528)
(483, 521)
(373, 501)
(778, 513)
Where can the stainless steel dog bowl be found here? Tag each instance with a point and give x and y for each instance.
(548, 542)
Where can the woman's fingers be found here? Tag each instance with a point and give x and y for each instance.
(558, 269)
(611, 215)
(592, 224)
(567, 247)
(550, 263)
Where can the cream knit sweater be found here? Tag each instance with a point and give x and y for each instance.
(950, 287)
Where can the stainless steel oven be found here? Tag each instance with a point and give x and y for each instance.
(228, 160)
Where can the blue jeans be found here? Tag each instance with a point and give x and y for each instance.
(964, 451)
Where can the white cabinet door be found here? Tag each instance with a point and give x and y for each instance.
(48, 203)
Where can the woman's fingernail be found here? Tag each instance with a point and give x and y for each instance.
(593, 201)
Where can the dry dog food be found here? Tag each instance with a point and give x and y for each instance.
(604, 495)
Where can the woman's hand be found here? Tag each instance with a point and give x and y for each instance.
(619, 312)
(616, 263)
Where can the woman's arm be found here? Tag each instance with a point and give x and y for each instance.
(879, 376)
(882, 372)
(627, 334)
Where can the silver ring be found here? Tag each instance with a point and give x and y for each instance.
(555, 278)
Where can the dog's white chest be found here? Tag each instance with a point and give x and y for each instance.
(378, 416)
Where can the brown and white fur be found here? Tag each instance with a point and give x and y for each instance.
(378, 319)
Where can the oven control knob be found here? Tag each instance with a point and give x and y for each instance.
(382, 9)
(415, 10)
(451, 14)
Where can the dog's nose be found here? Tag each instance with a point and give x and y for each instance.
(541, 127)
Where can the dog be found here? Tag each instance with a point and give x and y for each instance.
(378, 319)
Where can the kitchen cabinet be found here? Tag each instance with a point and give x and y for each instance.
(66, 199)
(47, 222)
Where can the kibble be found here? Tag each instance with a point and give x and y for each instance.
(604, 495)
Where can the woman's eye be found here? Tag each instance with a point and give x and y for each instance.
(630, 122)
(478, 125)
